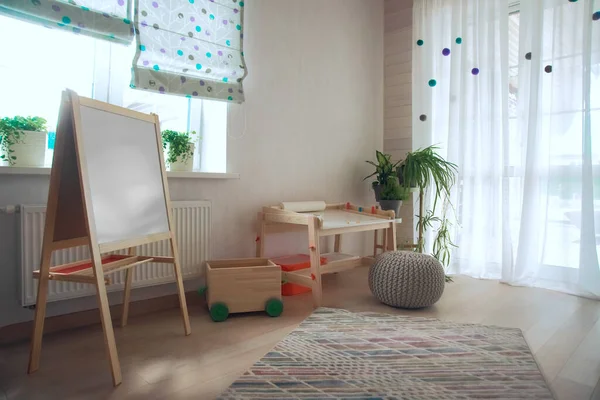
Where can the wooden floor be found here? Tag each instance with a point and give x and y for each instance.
(158, 362)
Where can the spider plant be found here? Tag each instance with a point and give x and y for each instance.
(442, 244)
(424, 169)
(428, 220)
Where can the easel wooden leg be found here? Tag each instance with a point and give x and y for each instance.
(260, 236)
(40, 311)
(315, 261)
(391, 238)
(107, 326)
(127, 291)
(179, 279)
(338, 243)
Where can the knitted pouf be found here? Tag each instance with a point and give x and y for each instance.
(406, 279)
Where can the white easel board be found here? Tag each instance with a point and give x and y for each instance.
(126, 187)
(108, 190)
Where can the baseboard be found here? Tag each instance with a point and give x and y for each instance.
(22, 331)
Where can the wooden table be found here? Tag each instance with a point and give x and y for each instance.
(335, 220)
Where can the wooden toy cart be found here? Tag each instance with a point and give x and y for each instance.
(243, 285)
(334, 220)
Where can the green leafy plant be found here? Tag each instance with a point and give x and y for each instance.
(12, 131)
(442, 244)
(384, 168)
(425, 169)
(179, 145)
(428, 220)
(392, 190)
(442, 241)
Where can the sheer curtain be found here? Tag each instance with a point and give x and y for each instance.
(514, 101)
(461, 48)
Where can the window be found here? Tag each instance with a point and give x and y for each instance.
(563, 120)
(38, 63)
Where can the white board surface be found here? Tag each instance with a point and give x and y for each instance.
(334, 219)
(124, 174)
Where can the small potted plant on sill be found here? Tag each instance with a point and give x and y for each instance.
(392, 195)
(384, 169)
(23, 141)
(180, 148)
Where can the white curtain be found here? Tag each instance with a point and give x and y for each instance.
(513, 98)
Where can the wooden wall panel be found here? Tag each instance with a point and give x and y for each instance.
(397, 137)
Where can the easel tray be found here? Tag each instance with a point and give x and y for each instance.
(81, 271)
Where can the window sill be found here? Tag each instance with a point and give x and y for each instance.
(170, 174)
(203, 175)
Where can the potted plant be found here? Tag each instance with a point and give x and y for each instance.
(384, 168)
(425, 169)
(392, 195)
(180, 148)
(23, 141)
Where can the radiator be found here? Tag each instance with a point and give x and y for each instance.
(192, 221)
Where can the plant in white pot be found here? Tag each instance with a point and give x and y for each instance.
(393, 194)
(23, 141)
(180, 148)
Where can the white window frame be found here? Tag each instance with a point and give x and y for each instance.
(210, 157)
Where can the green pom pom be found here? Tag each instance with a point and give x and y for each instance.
(219, 312)
(274, 307)
(202, 290)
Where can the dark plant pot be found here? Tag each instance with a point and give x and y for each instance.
(377, 190)
(393, 205)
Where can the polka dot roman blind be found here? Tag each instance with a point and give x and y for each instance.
(191, 48)
(102, 19)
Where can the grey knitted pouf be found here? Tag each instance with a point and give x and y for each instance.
(406, 279)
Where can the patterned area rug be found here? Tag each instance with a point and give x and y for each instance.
(337, 354)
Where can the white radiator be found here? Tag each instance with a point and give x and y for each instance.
(192, 220)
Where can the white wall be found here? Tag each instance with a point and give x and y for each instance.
(313, 114)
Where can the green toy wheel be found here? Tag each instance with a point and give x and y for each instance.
(274, 307)
(219, 312)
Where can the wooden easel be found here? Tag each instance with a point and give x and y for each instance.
(70, 222)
